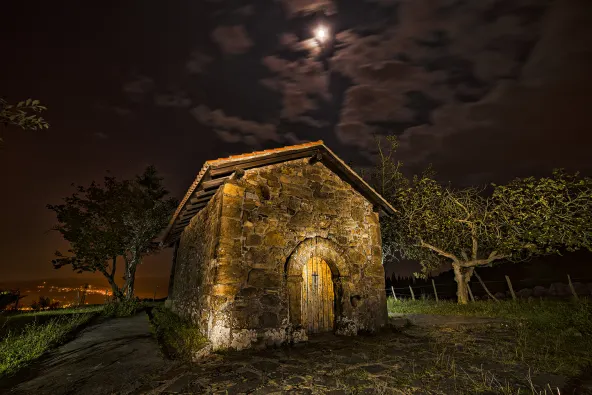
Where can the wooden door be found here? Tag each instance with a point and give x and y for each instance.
(317, 296)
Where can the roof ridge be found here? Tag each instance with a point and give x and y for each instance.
(267, 151)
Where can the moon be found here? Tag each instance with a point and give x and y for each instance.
(321, 33)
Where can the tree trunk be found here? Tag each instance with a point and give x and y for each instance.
(130, 277)
(116, 291)
(462, 276)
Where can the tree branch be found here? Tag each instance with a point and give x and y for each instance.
(479, 262)
(113, 269)
(439, 251)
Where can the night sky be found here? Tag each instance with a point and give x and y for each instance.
(484, 90)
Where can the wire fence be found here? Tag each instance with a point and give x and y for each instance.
(568, 286)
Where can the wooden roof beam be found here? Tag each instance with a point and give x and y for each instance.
(227, 169)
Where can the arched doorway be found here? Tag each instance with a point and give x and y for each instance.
(315, 300)
(318, 297)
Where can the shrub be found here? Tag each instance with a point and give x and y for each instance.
(179, 338)
(124, 308)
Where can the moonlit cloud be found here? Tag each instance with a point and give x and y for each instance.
(232, 40)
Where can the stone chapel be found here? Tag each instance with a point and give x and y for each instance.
(275, 245)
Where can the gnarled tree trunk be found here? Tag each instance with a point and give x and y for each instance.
(462, 276)
(130, 276)
(117, 293)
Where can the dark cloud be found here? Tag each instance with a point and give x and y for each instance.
(229, 127)
(301, 83)
(288, 39)
(179, 99)
(138, 87)
(198, 62)
(100, 135)
(440, 53)
(246, 10)
(305, 7)
(232, 40)
(524, 126)
(371, 103)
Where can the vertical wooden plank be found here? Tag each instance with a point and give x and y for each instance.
(328, 290)
(393, 291)
(484, 286)
(318, 296)
(323, 296)
(303, 318)
(470, 292)
(571, 287)
(412, 294)
(435, 291)
(511, 288)
(315, 297)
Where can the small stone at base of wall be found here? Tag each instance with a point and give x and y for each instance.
(202, 353)
(298, 336)
(346, 327)
(242, 339)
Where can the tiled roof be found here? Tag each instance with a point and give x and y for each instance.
(259, 158)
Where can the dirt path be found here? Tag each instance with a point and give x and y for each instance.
(115, 356)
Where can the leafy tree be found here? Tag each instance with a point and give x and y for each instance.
(8, 297)
(23, 115)
(439, 225)
(113, 220)
(44, 303)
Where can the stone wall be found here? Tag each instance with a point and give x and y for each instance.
(270, 216)
(195, 266)
(271, 221)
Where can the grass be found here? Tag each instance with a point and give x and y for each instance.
(125, 308)
(70, 310)
(19, 348)
(15, 321)
(544, 313)
(179, 339)
(543, 337)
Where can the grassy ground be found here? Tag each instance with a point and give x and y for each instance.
(16, 321)
(25, 336)
(17, 349)
(547, 337)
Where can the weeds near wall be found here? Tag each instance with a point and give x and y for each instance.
(179, 339)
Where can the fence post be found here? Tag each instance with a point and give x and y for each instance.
(393, 291)
(470, 293)
(412, 294)
(435, 292)
(573, 291)
(511, 289)
(484, 286)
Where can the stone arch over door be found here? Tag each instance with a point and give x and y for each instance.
(325, 250)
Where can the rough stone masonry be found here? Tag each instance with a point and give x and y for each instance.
(239, 261)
